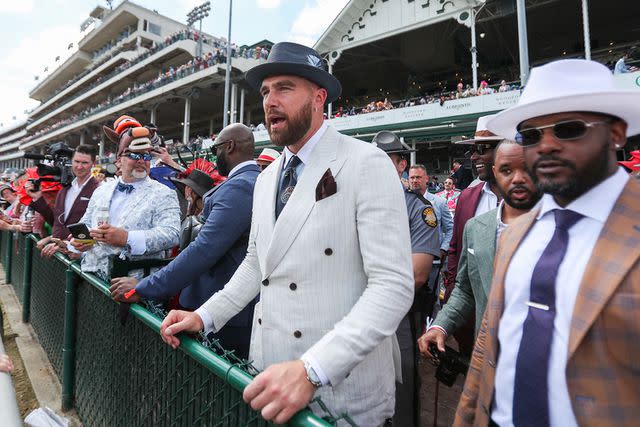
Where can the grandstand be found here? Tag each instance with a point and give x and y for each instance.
(412, 53)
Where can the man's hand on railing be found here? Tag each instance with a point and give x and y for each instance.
(6, 365)
(179, 321)
(107, 233)
(280, 391)
(120, 286)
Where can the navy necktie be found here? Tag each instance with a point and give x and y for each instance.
(125, 188)
(531, 394)
(287, 184)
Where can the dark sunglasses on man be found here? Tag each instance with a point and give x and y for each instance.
(482, 148)
(564, 131)
(137, 156)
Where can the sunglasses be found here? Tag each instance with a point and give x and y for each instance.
(482, 148)
(564, 131)
(137, 156)
(220, 144)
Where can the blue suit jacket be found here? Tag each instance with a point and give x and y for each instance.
(207, 264)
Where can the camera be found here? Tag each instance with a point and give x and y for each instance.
(54, 166)
(450, 364)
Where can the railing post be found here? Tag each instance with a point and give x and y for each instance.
(69, 345)
(9, 256)
(26, 282)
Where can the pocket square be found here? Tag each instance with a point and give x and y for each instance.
(326, 186)
(471, 251)
(85, 198)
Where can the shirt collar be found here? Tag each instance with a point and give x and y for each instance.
(596, 203)
(240, 166)
(499, 214)
(305, 152)
(77, 186)
(486, 188)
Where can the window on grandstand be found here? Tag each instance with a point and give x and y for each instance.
(154, 28)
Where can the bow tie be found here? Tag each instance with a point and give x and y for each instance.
(125, 188)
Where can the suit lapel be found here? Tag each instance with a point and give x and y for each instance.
(615, 252)
(509, 242)
(486, 232)
(88, 187)
(302, 200)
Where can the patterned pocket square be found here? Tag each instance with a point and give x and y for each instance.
(326, 186)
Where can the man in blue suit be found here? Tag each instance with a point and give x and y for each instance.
(207, 264)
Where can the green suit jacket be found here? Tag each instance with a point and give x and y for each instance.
(475, 270)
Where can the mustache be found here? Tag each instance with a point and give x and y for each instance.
(551, 157)
(519, 187)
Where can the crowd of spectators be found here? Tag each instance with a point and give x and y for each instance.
(164, 77)
(462, 91)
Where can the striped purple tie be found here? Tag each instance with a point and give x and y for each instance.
(530, 394)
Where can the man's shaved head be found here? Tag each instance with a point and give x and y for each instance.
(234, 145)
(241, 135)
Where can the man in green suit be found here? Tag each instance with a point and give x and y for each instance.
(475, 267)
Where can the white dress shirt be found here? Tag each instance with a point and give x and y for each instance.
(488, 200)
(72, 194)
(501, 225)
(135, 238)
(595, 205)
(239, 166)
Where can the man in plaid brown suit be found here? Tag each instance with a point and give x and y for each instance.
(559, 343)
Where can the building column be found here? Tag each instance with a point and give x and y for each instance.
(187, 118)
(474, 49)
(234, 102)
(523, 43)
(82, 137)
(241, 119)
(412, 160)
(210, 127)
(587, 32)
(248, 117)
(101, 146)
(154, 114)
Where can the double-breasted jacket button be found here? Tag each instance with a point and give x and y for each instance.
(293, 286)
(259, 321)
(328, 251)
(265, 282)
(297, 334)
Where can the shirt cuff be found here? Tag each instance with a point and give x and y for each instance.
(311, 361)
(72, 249)
(137, 242)
(207, 320)
(440, 328)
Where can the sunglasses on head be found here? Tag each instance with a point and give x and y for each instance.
(482, 148)
(137, 156)
(565, 131)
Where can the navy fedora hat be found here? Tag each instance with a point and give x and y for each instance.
(298, 60)
(389, 142)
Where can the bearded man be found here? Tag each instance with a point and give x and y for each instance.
(333, 286)
(133, 217)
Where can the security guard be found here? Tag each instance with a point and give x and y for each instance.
(425, 246)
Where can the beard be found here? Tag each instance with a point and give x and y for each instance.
(222, 164)
(523, 205)
(579, 182)
(139, 174)
(296, 126)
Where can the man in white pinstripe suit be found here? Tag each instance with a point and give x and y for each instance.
(329, 254)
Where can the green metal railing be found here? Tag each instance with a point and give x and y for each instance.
(123, 374)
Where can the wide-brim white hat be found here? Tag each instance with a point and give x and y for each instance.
(483, 134)
(569, 85)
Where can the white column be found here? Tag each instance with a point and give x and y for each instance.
(412, 160)
(187, 117)
(153, 114)
(523, 43)
(241, 119)
(210, 127)
(330, 72)
(585, 25)
(474, 49)
(101, 146)
(82, 137)
(234, 102)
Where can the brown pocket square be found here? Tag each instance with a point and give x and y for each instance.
(326, 186)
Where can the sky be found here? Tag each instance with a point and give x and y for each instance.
(34, 32)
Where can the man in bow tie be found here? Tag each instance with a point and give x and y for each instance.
(133, 217)
(329, 255)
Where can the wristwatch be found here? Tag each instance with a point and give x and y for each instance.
(311, 375)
